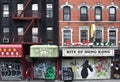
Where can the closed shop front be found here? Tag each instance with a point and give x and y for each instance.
(44, 69)
(45, 60)
(115, 69)
(11, 62)
(11, 69)
(87, 63)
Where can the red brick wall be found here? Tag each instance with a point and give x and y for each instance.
(75, 17)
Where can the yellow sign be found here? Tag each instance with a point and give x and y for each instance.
(92, 30)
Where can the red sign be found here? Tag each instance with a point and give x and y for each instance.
(10, 50)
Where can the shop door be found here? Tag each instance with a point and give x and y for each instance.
(115, 68)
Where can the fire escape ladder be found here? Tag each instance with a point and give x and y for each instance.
(40, 39)
(27, 28)
(26, 5)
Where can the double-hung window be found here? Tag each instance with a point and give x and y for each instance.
(112, 13)
(112, 37)
(98, 36)
(35, 34)
(20, 31)
(19, 9)
(67, 34)
(83, 13)
(83, 35)
(35, 10)
(50, 34)
(98, 13)
(49, 10)
(6, 32)
(66, 13)
(5, 10)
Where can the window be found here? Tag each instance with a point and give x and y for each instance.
(49, 34)
(83, 13)
(49, 0)
(66, 13)
(5, 10)
(19, 9)
(84, 35)
(112, 13)
(6, 32)
(67, 36)
(35, 10)
(35, 34)
(112, 37)
(98, 13)
(49, 10)
(98, 36)
(20, 31)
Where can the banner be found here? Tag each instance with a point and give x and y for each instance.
(81, 52)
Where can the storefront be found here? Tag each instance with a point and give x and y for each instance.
(115, 67)
(86, 63)
(11, 62)
(45, 60)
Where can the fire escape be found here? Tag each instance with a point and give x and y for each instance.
(31, 20)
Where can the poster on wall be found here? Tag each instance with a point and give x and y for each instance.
(89, 68)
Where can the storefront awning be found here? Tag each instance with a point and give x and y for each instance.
(44, 51)
(10, 50)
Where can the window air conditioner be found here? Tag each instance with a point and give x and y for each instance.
(5, 40)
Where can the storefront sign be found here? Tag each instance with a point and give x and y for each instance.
(76, 52)
(44, 51)
(10, 50)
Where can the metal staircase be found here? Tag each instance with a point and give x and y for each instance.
(31, 20)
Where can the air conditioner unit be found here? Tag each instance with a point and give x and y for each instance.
(5, 40)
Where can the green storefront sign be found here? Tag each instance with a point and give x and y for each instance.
(44, 51)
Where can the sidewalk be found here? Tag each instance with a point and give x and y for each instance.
(112, 80)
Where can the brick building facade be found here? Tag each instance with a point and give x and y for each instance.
(89, 31)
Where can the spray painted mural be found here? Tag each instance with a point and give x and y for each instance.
(10, 70)
(44, 69)
(89, 68)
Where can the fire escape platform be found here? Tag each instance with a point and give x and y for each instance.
(26, 18)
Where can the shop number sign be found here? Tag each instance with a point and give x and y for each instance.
(88, 52)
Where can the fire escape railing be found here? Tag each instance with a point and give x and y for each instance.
(27, 28)
(30, 19)
(27, 4)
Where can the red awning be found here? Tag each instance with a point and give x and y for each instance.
(10, 50)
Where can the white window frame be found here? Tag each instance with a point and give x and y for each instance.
(35, 10)
(67, 14)
(49, 8)
(101, 28)
(66, 28)
(20, 7)
(35, 34)
(6, 10)
(112, 28)
(50, 29)
(98, 16)
(6, 30)
(83, 28)
(20, 31)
